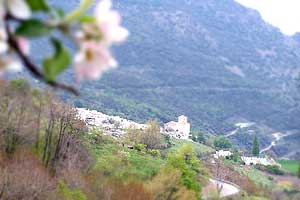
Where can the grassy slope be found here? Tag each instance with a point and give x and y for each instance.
(258, 177)
(121, 162)
(199, 148)
(291, 166)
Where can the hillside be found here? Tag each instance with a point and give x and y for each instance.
(214, 61)
(47, 152)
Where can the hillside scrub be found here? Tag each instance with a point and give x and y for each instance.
(222, 142)
(43, 144)
(150, 137)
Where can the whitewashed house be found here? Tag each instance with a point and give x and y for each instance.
(112, 125)
(180, 129)
(257, 160)
(222, 154)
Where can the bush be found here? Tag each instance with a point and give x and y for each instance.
(167, 184)
(150, 137)
(187, 163)
(222, 143)
(154, 153)
(65, 193)
(198, 137)
(272, 169)
(23, 176)
(140, 147)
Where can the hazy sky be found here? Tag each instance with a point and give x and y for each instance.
(284, 14)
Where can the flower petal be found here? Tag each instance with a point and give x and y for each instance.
(24, 45)
(3, 47)
(19, 9)
(102, 8)
(14, 66)
(119, 34)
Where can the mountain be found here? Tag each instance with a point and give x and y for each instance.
(215, 61)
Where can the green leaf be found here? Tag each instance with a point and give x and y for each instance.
(59, 12)
(57, 63)
(87, 19)
(38, 5)
(33, 28)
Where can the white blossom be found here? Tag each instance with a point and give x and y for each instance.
(92, 60)
(20, 10)
(94, 56)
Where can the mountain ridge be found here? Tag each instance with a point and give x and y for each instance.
(214, 61)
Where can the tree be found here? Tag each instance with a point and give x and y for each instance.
(299, 171)
(236, 155)
(186, 161)
(15, 120)
(151, 136)
(167, 185)
(133, 136)
(198, 137)
(222, 142)
(255, 146)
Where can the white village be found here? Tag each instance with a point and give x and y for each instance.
(181, 129)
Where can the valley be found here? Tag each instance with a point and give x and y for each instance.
(223, 69)
(149, 100)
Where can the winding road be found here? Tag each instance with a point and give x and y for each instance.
(239, 126)
(227, 189)
(277, 136)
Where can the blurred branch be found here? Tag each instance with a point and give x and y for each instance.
(30, 65)
(75, 14)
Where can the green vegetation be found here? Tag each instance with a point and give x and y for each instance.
(222, 142)
(198, 137)
(258, 177)
(272, 169)
(202, 79)
(45, 146)
(299, 171)
(291, 166)
(255, 147)
(47, 152)
(117, 161)
(199, 148)
(150, 138)
(236, 156)
(69, 194)
(186, 161)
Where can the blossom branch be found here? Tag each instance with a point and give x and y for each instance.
(83, 7)
(30, 65)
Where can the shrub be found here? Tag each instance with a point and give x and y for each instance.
(140, 147)
(65, 193)
(272, 169)
(23, 176)
(127, 191)
(167, 184)
(154, 153)
(222, 142)
(186, 161)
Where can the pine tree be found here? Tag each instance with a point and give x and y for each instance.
(299, 171)
(255, 147)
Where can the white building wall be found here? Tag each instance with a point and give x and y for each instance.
(181, 128)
